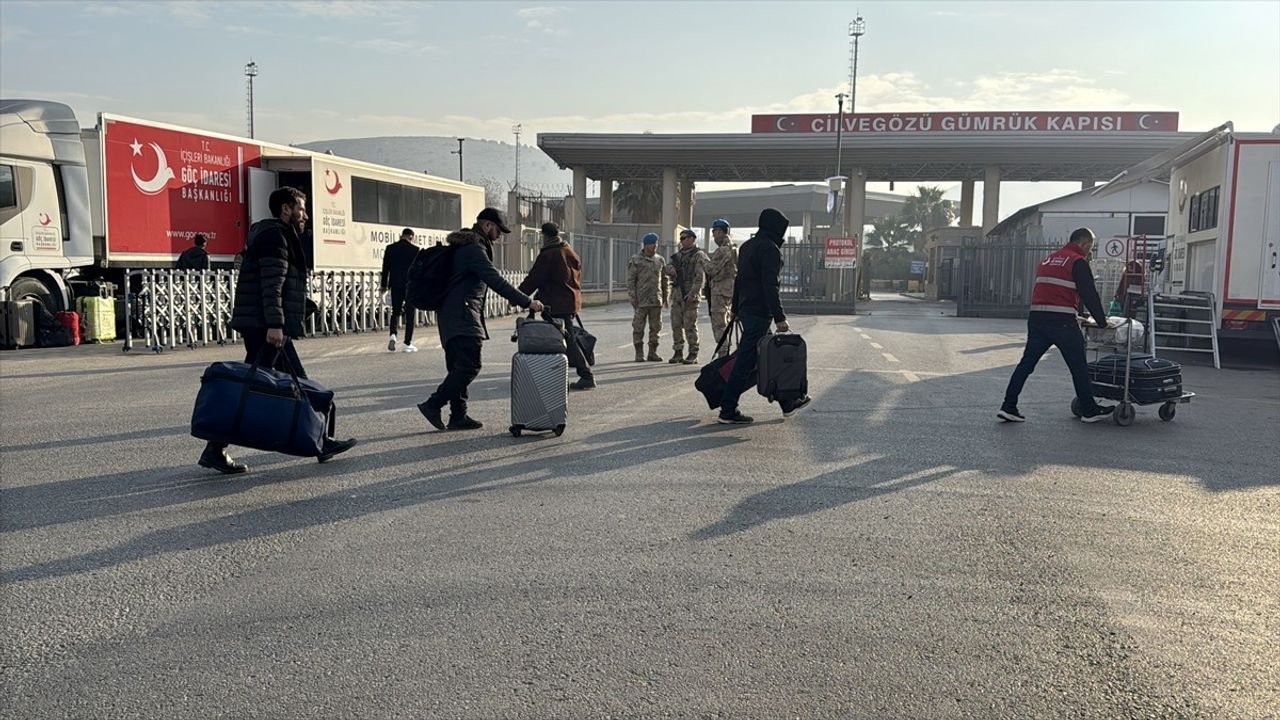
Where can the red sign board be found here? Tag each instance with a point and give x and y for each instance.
(841, 252)
(969, 122)
(163, 186)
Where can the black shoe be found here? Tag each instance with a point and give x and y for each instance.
(1009, 413)
(432, 414)
(583, 384)
(691, 360)
(676, 359)
(791, 407)
(335, 447)
(1098, 413)
(218, 459)
(464, 423)
(654, 357)
(737, 418)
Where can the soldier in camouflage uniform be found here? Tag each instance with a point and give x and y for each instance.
(688, 270)
(721, 273)
(647, 288)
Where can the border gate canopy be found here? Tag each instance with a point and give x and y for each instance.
(1109, 143)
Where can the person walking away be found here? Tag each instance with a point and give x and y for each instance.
(396, 260)
(721, 273)
(195, 257)
(556, 280)
(688, 271)
(270, 305)
(1063, 281)
(460, 320)
(757, 302)
(647, 289)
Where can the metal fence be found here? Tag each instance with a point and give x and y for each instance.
(810, 287)
(996, 279)
(166, 309)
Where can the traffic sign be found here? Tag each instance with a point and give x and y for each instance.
(1113, 248)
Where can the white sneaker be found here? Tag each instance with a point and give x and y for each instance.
(408, 347)
(391, 343)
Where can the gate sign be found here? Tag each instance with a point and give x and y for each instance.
(1113, 248)
(917, 267)
(841, 253)
(1064, 121)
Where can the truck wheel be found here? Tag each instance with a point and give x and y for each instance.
(29, 288)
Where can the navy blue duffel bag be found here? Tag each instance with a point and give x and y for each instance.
(256, 407)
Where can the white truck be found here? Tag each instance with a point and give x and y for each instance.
(78, 206)
(1224, 223)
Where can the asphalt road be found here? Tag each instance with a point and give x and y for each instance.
(892, 553)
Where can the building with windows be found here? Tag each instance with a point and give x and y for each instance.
(1140, 210)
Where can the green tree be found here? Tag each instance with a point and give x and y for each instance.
(642, 199)
(890, 235)
(925, 211)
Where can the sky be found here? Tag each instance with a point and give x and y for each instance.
(346, 69)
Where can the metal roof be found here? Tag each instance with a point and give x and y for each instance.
(901, 157)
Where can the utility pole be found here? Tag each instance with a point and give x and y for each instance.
(837, 221)
(516, 129)
(458, 152)
(857, 28)
(250, 72)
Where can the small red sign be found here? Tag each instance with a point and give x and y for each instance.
(841, 252)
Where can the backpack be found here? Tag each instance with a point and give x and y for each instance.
(428, 279)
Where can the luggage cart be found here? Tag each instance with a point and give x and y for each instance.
(1099, 340)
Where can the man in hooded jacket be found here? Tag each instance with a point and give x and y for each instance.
(757, 303)
(460, 319)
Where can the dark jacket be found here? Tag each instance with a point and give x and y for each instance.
(556, 277)
(272, 289)
(756, 290)
(462, 312)
(395, 264)
(193, 258)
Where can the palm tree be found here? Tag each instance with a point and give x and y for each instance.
(925, 211)
(642, 199)
(891, 235)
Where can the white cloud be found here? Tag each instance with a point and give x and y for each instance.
(66, 96)
(113, 9)
(389, 46)
(190, 12)
(541, 18)
(540, 11)
(337, 8)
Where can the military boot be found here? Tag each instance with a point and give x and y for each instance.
(677, 358)
(653, 354)
(639, 352)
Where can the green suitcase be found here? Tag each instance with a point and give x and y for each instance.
(98, 315)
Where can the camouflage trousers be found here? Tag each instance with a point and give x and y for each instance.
(651, 316)
(720, 305)
(684, 325)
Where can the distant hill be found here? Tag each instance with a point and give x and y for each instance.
(484, 162)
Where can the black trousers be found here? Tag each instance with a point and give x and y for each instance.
(576, 358)
(280, 360)
(1042, 334)
(400, 306)
(462, 363)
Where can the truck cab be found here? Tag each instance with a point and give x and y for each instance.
(45, 229)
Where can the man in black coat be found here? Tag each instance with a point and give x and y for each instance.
(271, 304)
(757, 302)
(195, 257)
(460, 318)
(395, 277)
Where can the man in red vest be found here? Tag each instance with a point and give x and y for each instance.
(1063, 281)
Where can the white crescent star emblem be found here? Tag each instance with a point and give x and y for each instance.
(781, 120)
(1142, 122)
(157, 184)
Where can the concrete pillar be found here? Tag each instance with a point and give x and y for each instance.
(966, 203)
(855, 204)
(1086, 184)
(577, 215)
(990, 198)
(669, 218)
(686, 203)
(606, 201)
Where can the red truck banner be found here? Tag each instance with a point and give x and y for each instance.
(164, 186)
(965, 122)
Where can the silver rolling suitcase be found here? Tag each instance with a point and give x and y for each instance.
(539, 392)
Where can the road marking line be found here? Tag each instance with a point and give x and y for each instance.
(865, 336)
(910, 376)
(877, 346)
(889, 357)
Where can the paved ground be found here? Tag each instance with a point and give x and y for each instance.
(894, 552)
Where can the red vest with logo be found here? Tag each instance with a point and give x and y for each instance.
(1055, 289)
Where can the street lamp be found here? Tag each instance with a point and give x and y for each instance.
(516, 130)
(251, 71)
(857, 28)
(837, 222)
(458, 152)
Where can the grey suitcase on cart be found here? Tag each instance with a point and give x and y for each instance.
(17, 324)
(539, 392)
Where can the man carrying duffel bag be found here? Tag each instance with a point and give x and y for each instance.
(270, 308)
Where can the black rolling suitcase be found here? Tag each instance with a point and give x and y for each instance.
(783, 370)
(1151, 379)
